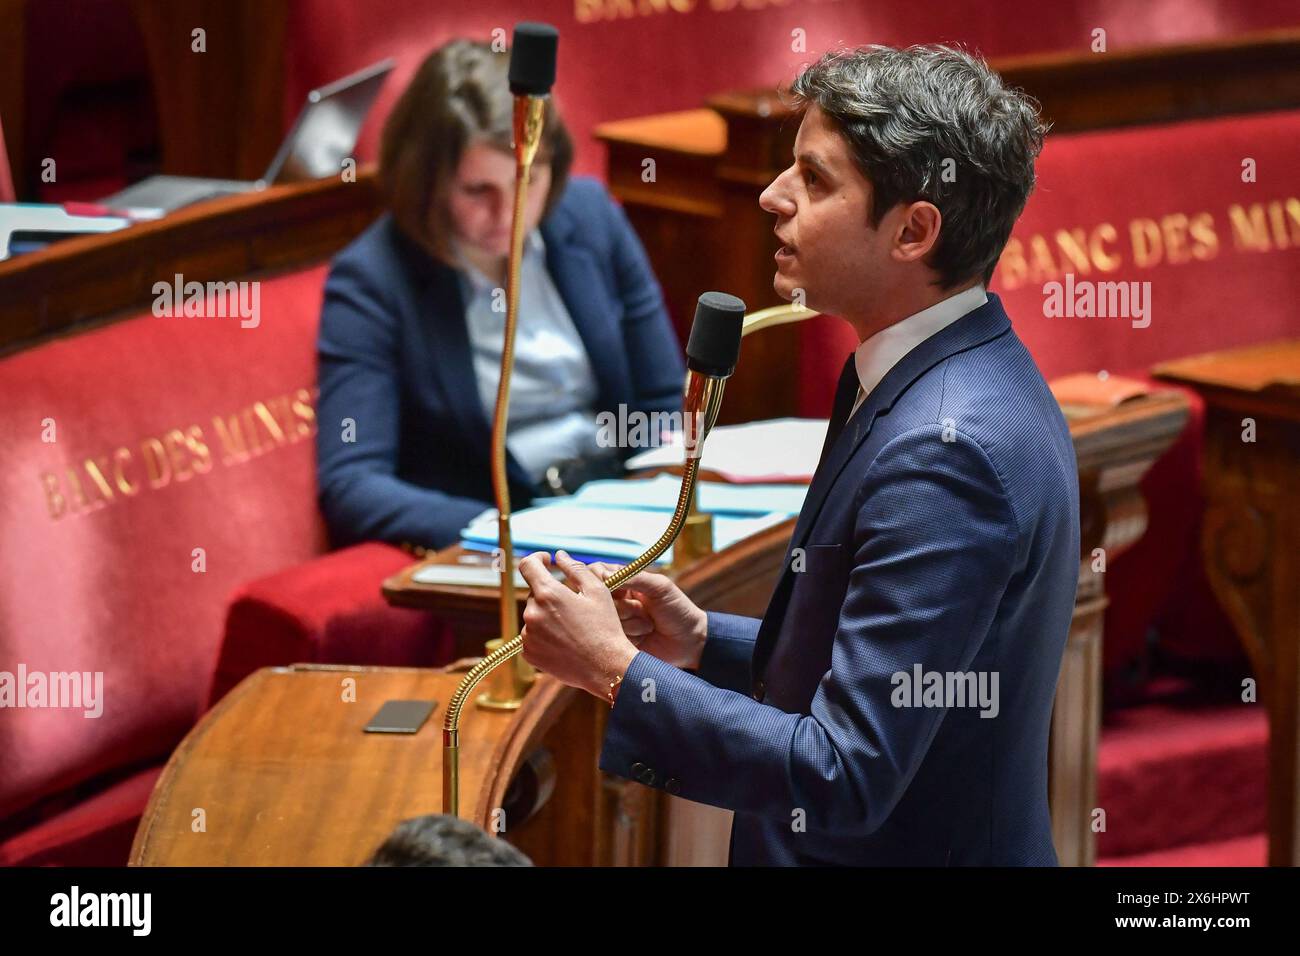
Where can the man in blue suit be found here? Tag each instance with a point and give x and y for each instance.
(893, 705)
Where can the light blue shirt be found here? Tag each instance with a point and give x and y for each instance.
(553, 387)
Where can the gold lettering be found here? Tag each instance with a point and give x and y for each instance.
(231, 437)
(78, 496)
(1293, 217)
(199, 448)
(156, 468)
(174, 439)
(268, 419)
(1145, 236)
(1205, 241)
(1105, 261)
(58, 505)
(305, 411)
(1041, 266)
(1070, 243)
(1277, 220)
(97, 476)
(250, 432)
(1249, 231)
(1174, 230)
(121, 458)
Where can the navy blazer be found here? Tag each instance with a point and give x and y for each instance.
(941, 531)
(396, 369)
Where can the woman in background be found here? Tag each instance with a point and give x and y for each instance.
(413, 322)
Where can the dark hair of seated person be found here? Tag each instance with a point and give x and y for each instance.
(459, 94)
(441, 840)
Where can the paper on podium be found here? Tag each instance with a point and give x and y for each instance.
(661, 492)
(464, 575)
(620, 534)
(778, 450)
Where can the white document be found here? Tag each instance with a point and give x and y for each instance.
(661, 492)
(620, 534)
(779, 450)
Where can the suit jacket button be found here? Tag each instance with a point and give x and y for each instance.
(638, 768)
(759, 689)
(672, 786)
(648, 777)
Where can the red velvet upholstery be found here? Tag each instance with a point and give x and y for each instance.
(615, 55)
(327, 611)
(1239, 851)
(1181, 770)
(95, 832)
(200, 431)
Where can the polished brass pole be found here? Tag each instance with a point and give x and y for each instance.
(507, 693)
(710, 399)
(509, 687)
(702, 400)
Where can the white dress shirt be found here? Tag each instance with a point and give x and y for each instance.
(882, 351)
(553, 386)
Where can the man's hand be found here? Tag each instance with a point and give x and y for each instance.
(658, 618)
(573, 632)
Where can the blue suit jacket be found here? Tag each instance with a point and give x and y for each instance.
(395, 358)
(941, 530)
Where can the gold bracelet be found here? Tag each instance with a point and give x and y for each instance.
(613, 689)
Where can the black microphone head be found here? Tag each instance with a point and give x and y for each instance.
(714, 344)
(532, 59)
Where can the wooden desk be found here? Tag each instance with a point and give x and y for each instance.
(81, 282)
(1114, 446)
(1251, 541)
(285, 776)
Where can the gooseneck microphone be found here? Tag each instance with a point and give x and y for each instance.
(711, 354)
(532, 59)
(531, 75)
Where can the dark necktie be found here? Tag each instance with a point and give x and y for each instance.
(846, 392)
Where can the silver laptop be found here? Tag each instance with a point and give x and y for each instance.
(323, 135)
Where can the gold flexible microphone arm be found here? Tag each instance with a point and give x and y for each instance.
(451, 723)
(702, 399)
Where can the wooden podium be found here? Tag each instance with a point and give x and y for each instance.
(1114, 445)
(280, 773)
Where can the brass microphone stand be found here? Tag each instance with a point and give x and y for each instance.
(507, 692)
(702, 400)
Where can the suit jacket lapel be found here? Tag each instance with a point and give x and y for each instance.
(985, 323)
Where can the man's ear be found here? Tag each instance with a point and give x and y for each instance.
(917, 231)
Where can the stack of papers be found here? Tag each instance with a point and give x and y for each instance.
(661, 492)
(602, 532)
(780, 450)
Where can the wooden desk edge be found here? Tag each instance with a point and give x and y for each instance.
(532, 720)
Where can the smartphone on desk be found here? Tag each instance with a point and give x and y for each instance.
(401, 717)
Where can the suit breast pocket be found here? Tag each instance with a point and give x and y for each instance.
(818, 560)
